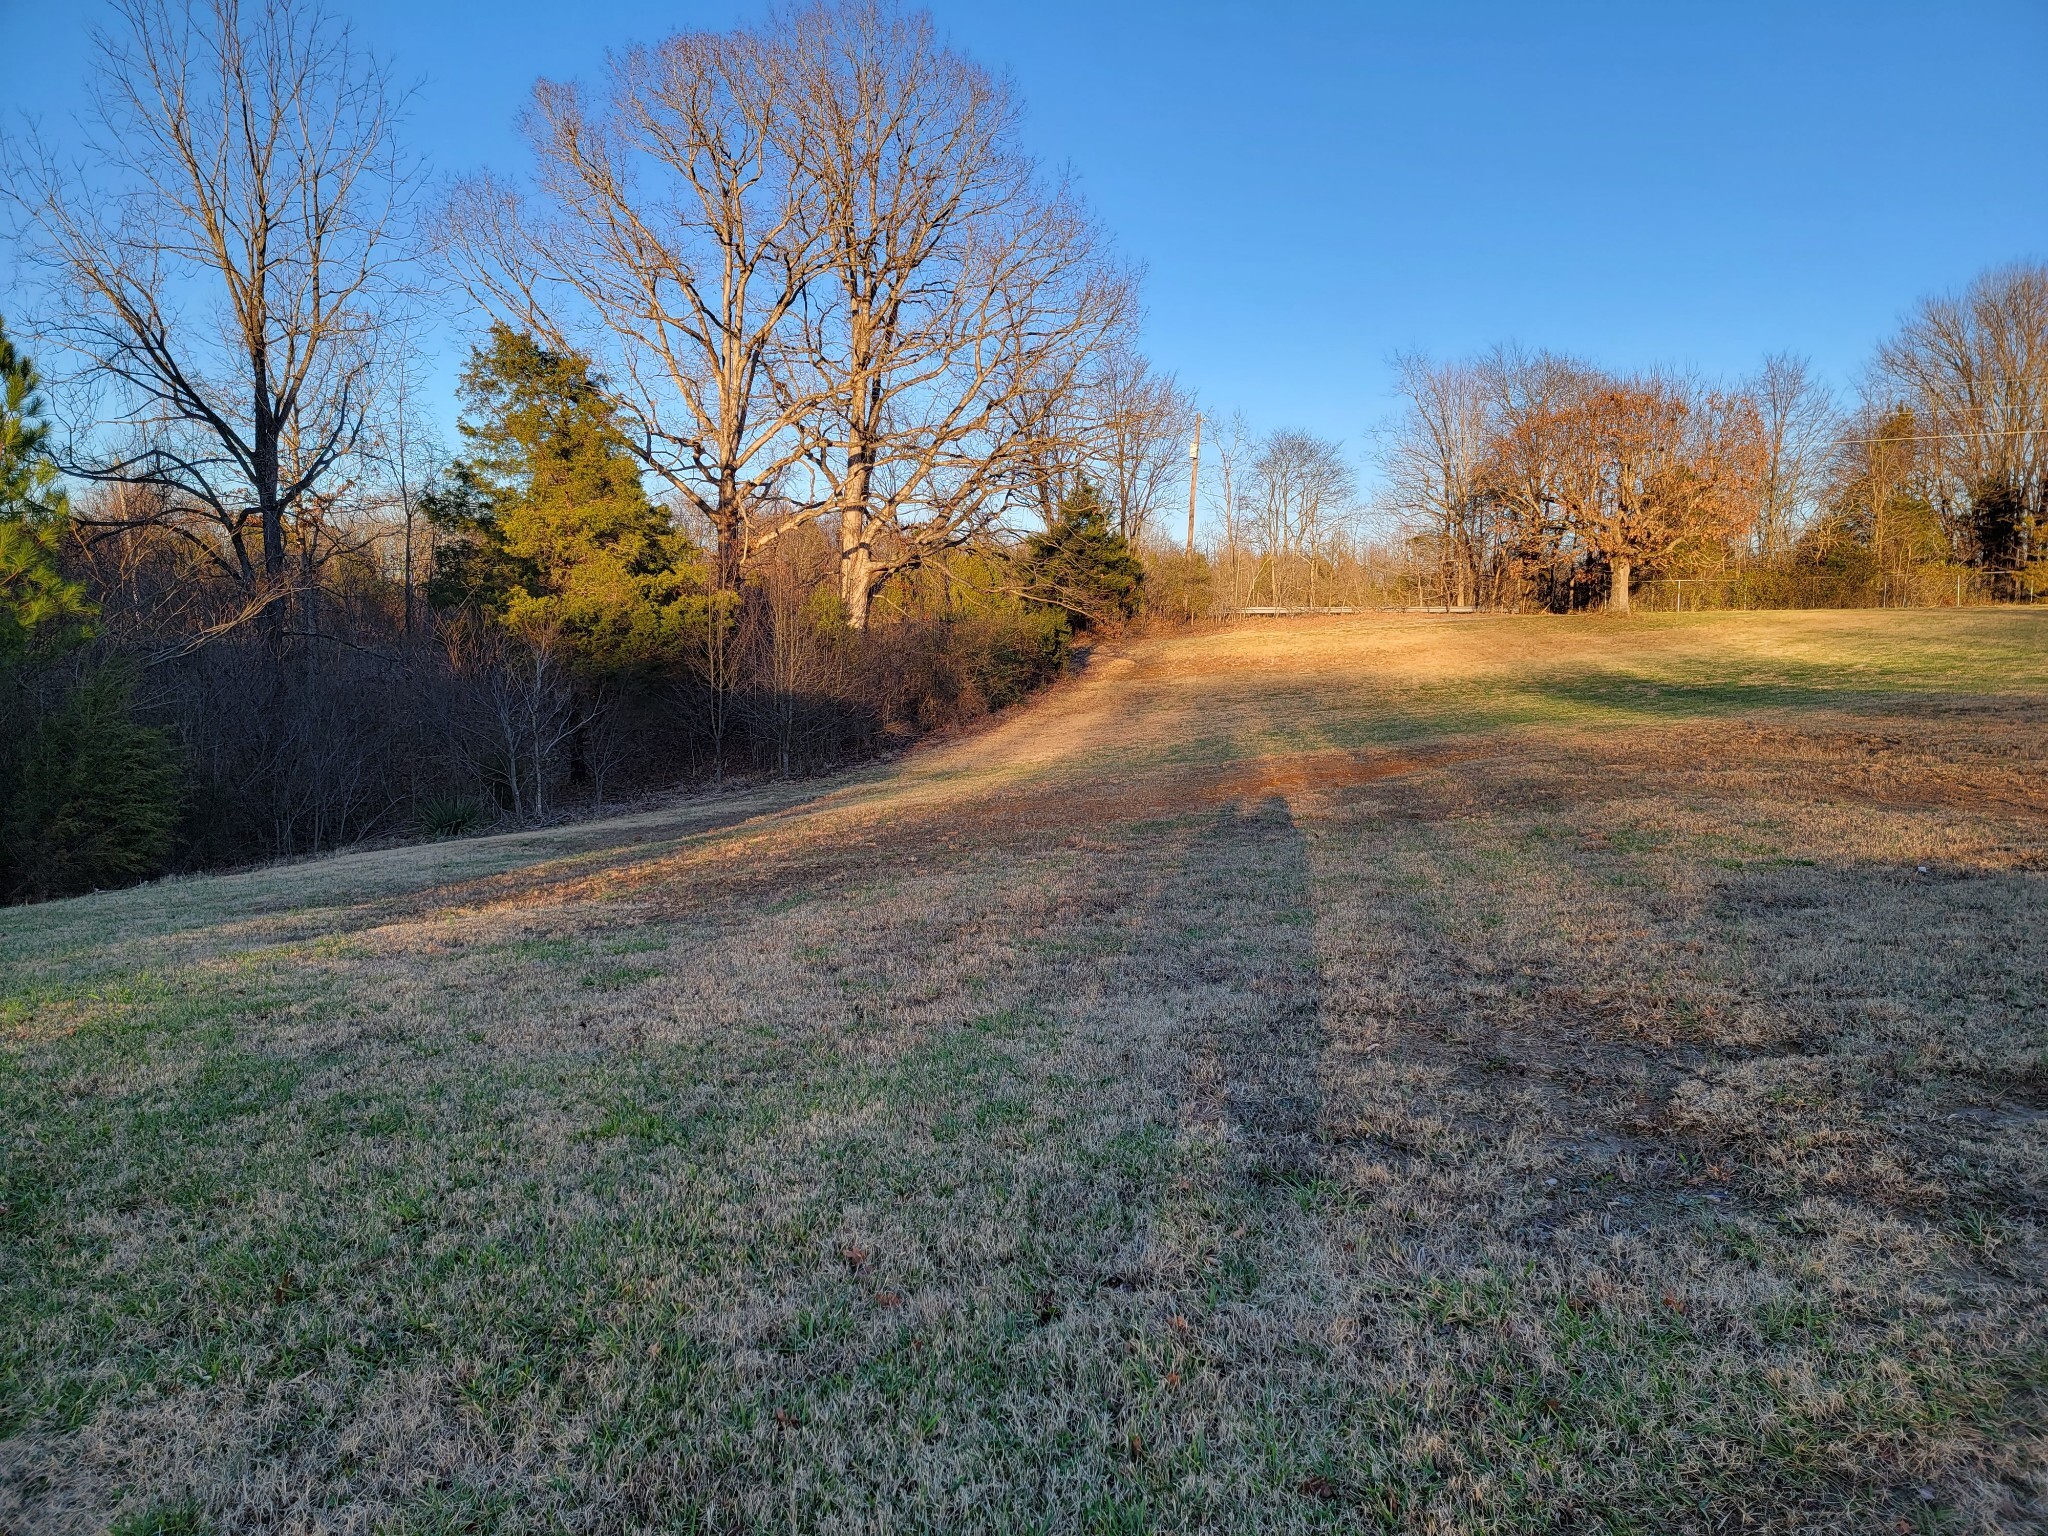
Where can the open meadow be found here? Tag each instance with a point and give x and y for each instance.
(1407, 1074)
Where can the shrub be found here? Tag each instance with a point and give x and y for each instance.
(1012, 655)
(1178, 585)
(933, 674)
(450, 816)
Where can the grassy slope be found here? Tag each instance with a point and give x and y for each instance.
(1506, 1074)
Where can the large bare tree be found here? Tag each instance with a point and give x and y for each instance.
(818, 271)
(1439, 461)
(1143, 419)
(1974, 368)
(964, 302)
(663, 234)
(224, 249)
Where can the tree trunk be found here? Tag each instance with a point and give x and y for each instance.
(729, 530)
(1617, 597)
(856, 574)
(863, 442)
(856, 559)
(269, 508)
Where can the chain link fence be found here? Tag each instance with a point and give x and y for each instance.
(1917, 587)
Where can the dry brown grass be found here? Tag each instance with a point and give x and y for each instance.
(1407, 1075)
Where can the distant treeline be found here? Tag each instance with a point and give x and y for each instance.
(1529, 479)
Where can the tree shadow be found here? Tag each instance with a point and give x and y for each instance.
(1239, 916)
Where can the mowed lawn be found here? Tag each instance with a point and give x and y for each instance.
(1495, 1074)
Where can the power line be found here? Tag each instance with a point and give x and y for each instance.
(1941, 437)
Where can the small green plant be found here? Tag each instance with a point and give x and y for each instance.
(184, 1518)
(450, 816)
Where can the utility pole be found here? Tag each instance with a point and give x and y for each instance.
(1187, 583)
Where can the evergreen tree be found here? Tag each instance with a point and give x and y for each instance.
(87, 796)
(92, 797)
(39, 609)
(546, 523)
(1082, 565)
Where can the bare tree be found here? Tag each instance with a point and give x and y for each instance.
(1974, 368)
(521, 710)
(224, 259)
(788, 664)
(1798, 421)
(1140, 452)
(1233, 449)
(964, 302)
(406, 453)
(1302, 487)
(665, 237)
(1438, 465)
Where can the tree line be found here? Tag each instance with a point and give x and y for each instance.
(782, 339)
(1533, 479)
(803, 413)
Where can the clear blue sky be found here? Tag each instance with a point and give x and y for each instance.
(1313, 186)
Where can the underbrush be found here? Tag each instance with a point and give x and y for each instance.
(472, 729)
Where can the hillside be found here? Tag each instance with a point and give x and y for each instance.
(1385, 1073)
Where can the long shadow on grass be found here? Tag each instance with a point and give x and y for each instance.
(1240, 914)
(1781, 687)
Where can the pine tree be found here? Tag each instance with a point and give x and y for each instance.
(546, 523)
(87, 796)
(92, 797)
(1082, 565)
(38, 607)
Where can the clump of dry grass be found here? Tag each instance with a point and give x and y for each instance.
(1512, 1075)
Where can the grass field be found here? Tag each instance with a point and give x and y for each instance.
(1512, 1074)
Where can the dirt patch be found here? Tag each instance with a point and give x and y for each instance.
(1304, 773)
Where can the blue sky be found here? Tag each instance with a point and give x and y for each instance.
(1313, 186)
